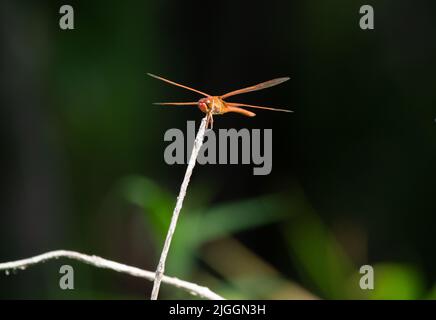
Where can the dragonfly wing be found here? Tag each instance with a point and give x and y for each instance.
(235, 104)
(177, 84)
(260, 86)
(176, 103)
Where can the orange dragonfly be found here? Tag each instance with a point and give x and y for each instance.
(215, 105)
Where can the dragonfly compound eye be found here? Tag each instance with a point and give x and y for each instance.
(203, 107)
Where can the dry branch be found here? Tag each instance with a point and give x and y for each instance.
(192, 161)
(99, 262)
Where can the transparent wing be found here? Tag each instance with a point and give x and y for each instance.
(260, 86)
(177, 84)
(176, 103)
(235, 104)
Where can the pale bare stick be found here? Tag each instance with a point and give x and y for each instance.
(192, 160)
(99, 262)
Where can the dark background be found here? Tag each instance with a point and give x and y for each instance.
(353, 167)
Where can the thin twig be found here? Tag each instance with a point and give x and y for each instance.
(192, 160)
(99, 262)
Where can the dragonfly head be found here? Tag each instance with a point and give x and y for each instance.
(204, 104)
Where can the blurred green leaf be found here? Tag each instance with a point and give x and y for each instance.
(318, 255)
(154, 200)
(396, 282)
(196, 226)
(238, 216)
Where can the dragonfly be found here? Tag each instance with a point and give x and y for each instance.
(216, 105)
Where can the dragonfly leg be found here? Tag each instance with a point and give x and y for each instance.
(209, 121)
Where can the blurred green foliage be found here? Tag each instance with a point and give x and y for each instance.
(318, 256)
